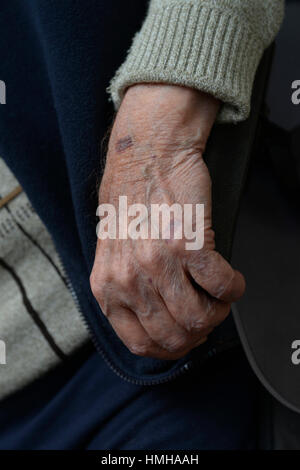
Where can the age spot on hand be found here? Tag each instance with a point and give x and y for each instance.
(124, 143)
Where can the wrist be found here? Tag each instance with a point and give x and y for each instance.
(155, 108)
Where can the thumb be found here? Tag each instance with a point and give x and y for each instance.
(215, 275)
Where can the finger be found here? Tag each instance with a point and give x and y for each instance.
(215, 275)
(160, 325)
(192, 308)
(130, 331)
(133, 335)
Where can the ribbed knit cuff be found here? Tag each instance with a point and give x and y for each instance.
(201, 45)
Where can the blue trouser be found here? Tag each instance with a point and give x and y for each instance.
(84, 405)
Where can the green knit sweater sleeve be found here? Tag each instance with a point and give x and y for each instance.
(211, 45)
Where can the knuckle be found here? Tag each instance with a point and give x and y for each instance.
(149, 259)
(176, 343)
(177, 246)
(96, 284)
(204, 319)
(124, 280)
(197, 325)
(146, 313)
(99, 286)
(139, 349)
(211, 317)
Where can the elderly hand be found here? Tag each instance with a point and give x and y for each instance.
(161, 298)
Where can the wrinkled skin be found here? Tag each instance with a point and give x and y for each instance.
(161, 299)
